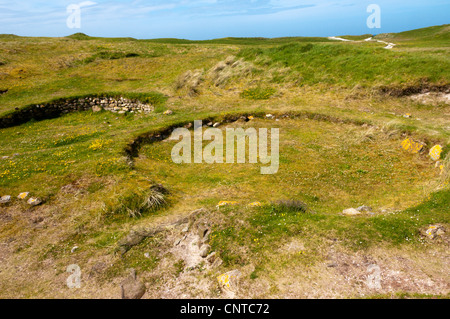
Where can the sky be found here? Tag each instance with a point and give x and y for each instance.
(209, 19)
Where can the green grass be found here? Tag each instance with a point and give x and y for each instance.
(351, 64)
(430, 36)
(266, 229)
(258, 93)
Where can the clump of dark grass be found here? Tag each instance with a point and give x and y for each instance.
(136, 203)
(291, 205)
(109, 55)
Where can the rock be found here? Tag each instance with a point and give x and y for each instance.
(435, 152)
(23, 195)
(229, 281)
(96, 109)
(204, 251)
(5, 199)
(203, 233)
(255, 204)
(351, 212)
(211, 258)
(412, 146)
(132, 288)
(226, 203)
(434, 231)
(179, 240)
(168, 112)
(270, 116)
(364, 209)
(34, 201)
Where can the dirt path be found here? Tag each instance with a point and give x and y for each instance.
(388, 46)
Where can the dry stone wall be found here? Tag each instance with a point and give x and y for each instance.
(57, 108)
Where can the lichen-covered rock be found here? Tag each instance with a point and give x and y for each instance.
(23, 195)
(351, 212)
(434, 231)
(5, 199)
(34, 201)
(229, 282)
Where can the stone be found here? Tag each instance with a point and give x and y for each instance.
(204, 251)
(435, 152)
(411, 146)
(211, 258)
(255, 204)
(203, 233)
(5, 199)
(364, 209)
(434, 231)
(23, 195)
(179, 240)
(226, 203)
(96, 108)
(351, 212)
(132, 288)
(34, 201)
(270, 116)
(168, 112)
(229, 282)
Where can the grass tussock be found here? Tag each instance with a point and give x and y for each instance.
(136, 203)
(189, 82)
(223, 72)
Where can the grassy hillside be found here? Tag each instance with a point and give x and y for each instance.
(343, 110)
(437, 36)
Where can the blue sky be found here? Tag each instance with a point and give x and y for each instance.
(207, 19)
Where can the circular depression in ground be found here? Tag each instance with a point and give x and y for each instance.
(330, 166)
